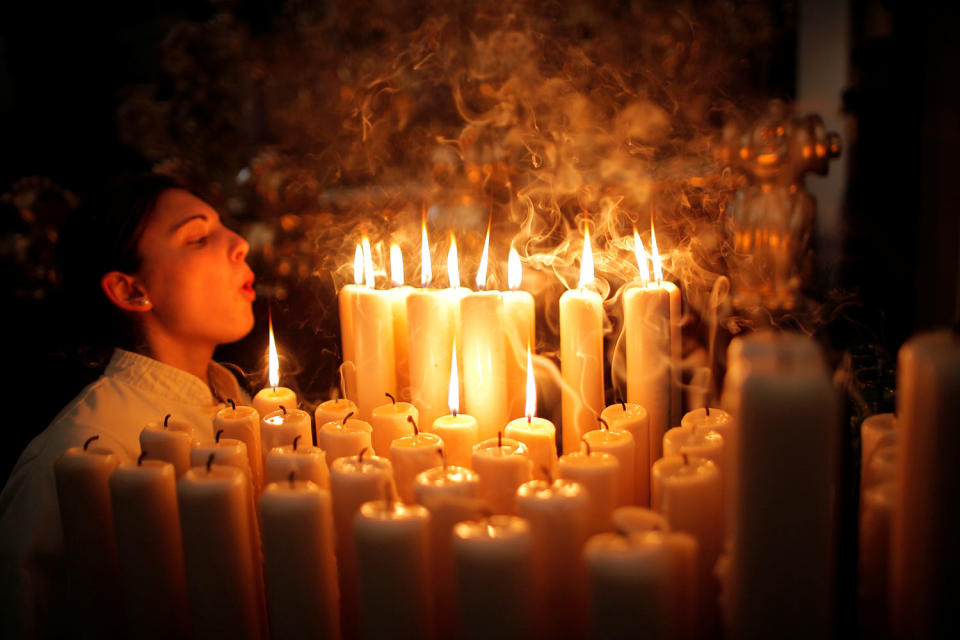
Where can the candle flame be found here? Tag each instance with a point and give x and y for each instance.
(368, 263)
(273, 362)
(453, 264)
(514, 270)
(426, 270)
(586, 262)
(482, 269)
(453, 393)
(655, 253)
(531, 408)
(641, 256)
(358, 265)
(396, 265)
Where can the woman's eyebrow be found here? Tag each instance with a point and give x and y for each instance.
(200, 216)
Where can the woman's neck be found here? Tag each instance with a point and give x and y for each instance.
(192, 358)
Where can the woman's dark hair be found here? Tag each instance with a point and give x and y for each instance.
(100, 236)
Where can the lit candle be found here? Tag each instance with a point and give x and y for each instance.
(483, 347)
(152, 568)
(299, 563)
(619, 444)
(518, 318)
(391, 421)
(632, 418)
(651, 327)
(271, 398)
(353, 481)
(599, 473)
(309, 463)
(581, 353)
(410, 455)
(169, 440)
(344, 438)
(243, 423)
(503, 464)
(86, 519)
(538, 434)
(226, 594)
(393, 551)
(347, 302)
(334, 411)
(401, 337)
(493, 559)
(459, 431)
(280, 427)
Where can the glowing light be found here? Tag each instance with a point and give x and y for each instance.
(586, 262)
(641, 257)
(453, 264)
(426, 270)
(514, 270)
(273, 362)
(396, 265)
(655, 254)
(482, 269)
(453, 393)
(358, 265)
(531, 407)
(368, 263)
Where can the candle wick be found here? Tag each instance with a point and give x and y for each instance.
(624, 405)
(345, 418)
(499, 439)
(209, 462)
(686, 459)
(443, 460)
(233, 405)
(293, 472)
(284, 409)
(529, 419)
(707, 409)
(603, 423)
(410, 419)
(166, 420)
(587, 445)
(295, 441)
(453, 412)
(216, 438)
(546, 472)
(392, 399)
(387, 494)
(360, 455)
(143, 454)
(89, 440)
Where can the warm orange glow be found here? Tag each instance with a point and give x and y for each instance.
(482, 269)
(641, 257)
(426, 270)
(514, 270)
(273, 361)
(453, 264)
(358, 265)
(655, 254)
(586, 262)
(531, 408)
(396, 265)
(368, 263)
(453, 393)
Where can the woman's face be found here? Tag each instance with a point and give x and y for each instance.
(194, 272)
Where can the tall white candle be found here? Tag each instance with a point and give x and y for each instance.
(389, 422)
(518, 318)
(503, 464)
(581, 354)
(243, 423)
(168, 440)
(347, 302)
(632, 418)
(401, 336)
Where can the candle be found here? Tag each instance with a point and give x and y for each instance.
(638, 520)
(86, 519)
(876, 513)
(299, 563)
(228, 452)
(493, 559)
(270, 399)
(628, 585)
(557, 511)
(226, 593)
(518, 322)
(619, 444)
(243, 423)
(786, 468)
(393, 553)
(152, 569)
(484, 354)
(926, 528)
(280, 427)
(334, 411)
(410, 455)
(309, 463)
(538, 434)
(651, 327)
(581, 353)
(168, 440)
(503, 464)
(709, 419)
(875, 431)
(882, 466)
(632, 418)
(459, 432)
(353, 481)
(401, 336)
(599, 473)
(697, 442)
(347, 302)
(389, 422)
(345, 438)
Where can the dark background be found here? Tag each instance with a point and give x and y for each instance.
(65, 67)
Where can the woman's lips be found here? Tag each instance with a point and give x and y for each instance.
(247, 290)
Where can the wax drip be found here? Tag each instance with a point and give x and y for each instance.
(392, 399)
(295, 441)
(143, 454)
(89, 440)
(216, 438)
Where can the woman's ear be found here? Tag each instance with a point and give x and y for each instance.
(122, 290)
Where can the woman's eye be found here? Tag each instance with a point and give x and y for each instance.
(201, 241)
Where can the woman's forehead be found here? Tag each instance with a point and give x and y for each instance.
(175, 207)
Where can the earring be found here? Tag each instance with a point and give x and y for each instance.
(144, 301)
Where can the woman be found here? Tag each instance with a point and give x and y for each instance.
(164, 283)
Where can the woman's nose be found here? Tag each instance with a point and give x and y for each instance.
(239, 247)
